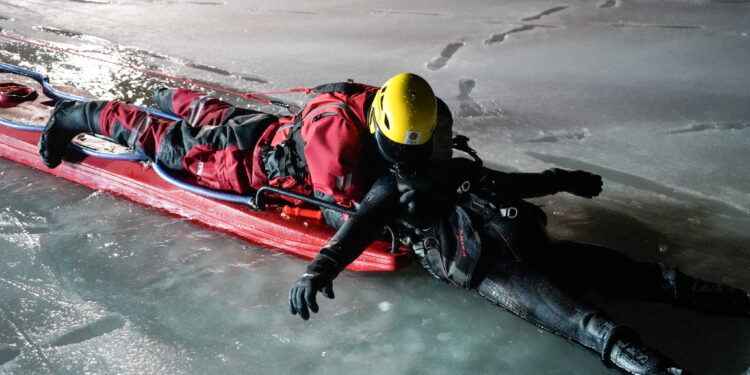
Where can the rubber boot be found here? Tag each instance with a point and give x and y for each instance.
(706, 296)
(634, 358)
(68, 119)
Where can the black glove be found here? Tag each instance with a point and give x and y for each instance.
(420, 207)
(302, 295)
(580, 183)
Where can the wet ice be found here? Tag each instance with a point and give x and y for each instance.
(652, 95)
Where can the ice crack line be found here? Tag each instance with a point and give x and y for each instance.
(545, 13)
(88, 331)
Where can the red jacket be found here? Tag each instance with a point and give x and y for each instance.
(331, 129)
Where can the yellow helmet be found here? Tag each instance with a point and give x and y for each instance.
(403, 116)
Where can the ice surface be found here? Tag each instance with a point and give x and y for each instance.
(651, 95)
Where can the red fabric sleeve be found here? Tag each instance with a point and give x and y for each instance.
(334, 159)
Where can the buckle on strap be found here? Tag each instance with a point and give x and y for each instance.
(509, 212)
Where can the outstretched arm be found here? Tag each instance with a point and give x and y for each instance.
(348, 243)
(552, 181)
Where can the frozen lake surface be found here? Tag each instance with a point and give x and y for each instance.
(651, 95)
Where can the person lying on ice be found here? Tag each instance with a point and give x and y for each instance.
(389, 150)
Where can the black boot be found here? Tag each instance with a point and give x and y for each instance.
(635, 358)
(706, 296)
(68, 119)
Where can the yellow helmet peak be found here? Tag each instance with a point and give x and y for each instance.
(403, 116)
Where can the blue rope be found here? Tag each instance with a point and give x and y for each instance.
(52, 92)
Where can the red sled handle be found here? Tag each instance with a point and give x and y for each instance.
(302, 212)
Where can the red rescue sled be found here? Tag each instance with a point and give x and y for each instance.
(139, 182)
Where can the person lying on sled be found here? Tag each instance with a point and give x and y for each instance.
(387, 149)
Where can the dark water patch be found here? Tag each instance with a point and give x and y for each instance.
(253, 78)
(71, 34)
(608, 4)
(199, 66)
(153, 54)
(89, 331)
(642, 183)
(208, 68)
(407, 12)
(8, 353)
(727, 126)
(3, 18)
(445, 55)
(498, 38)
(58, 31)
(545, 13)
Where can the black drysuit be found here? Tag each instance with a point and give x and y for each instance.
(509, 259)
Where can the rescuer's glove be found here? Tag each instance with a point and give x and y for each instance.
(580, 183)
(302, 296)
(318, 277)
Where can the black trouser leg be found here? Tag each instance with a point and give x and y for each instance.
(584, 266)
(520, 289)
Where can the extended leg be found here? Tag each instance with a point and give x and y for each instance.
(611, 273)
(220, 157)
(195, 107)
(521, 290)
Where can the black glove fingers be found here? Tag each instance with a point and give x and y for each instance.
(327, 290)
(300, 304)
(292, 293)
(310, 293)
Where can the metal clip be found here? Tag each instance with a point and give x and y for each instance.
(509, 212)
(464, 188)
